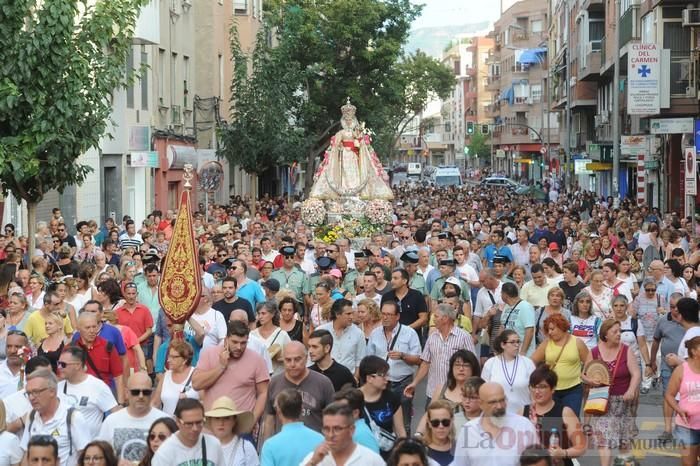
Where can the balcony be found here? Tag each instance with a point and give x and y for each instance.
(521, 104)
(628, 25)
(493, 110)
(589, 65)
(493, 83)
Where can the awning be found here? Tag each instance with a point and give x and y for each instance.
(508, 94)
(531, 56)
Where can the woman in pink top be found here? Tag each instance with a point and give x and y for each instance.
(685, 383)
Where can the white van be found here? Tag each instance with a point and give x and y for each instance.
(414, 169)
(447, 176)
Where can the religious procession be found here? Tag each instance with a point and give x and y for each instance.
(362, 325)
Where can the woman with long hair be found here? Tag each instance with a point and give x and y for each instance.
(624, 273)
(510, 369)
(7, 282)
(288, 321)
(617, 427)
(368, 316)
(64, 308)
(552, 270)
(564, 354)
(584, 325)
(176, 383)
(97, 453)
(109, 294)
(462, 366)
(321, 310)
(691, 280)
(160, 431)
(439, 435)
(270, 333)
(674, 273)
(685, 385)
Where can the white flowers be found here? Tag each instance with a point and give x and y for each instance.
(378, 212)
(313, 212)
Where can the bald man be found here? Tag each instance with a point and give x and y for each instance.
(498, 437)
(127, 429)
(316, 389)
(254, 342)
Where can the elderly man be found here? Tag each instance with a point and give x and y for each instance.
(441, 345)
(127, 429)
(52, 416)
(497, 437)
(316, 389)
(339, 448)
(664, 287)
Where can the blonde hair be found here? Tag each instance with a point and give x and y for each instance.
(372, 309)
(57, 319)
(435, 405)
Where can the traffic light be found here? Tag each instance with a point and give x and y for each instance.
(484, 129)
(470, 127)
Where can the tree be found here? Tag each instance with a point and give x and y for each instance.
(264, 103)
(60, 61)
(478, 145)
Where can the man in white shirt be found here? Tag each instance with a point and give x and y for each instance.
(268, 254)
(488, 297)
(339, 447)
(465, 271)
(497, 437)
(127, 429)
(189, 445)
(87, 394)
(51, 416)
(521, 249)
(11, 367)
(348, 340)
(211, 320)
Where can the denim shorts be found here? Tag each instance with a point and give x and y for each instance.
(665, 375)
(686, 436)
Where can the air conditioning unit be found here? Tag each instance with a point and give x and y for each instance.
(691, 17)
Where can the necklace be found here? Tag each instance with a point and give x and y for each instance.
(510, 378)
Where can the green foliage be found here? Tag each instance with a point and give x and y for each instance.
(264, 105)
(479, 144)
(60, 61)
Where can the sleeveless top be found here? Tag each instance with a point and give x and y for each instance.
(553, 419)
(52, 356)
(459, 417)
(622, 377)
(568, 367)
(689, 393)
(170, 394)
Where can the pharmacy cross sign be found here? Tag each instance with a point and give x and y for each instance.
(644, 70)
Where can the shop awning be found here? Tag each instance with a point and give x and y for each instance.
(508, 94)
(531, 56)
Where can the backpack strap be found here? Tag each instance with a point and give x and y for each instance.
(204, 451)
(69, 419)
(537, 325)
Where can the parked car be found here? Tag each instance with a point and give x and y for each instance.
(502, 182)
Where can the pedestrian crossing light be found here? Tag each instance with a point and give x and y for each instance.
(470, 127)
(484, 129)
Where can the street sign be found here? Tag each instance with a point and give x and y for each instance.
(671, 125)
(644, 65)
(691, 174)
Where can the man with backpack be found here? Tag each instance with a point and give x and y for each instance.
(52, 416)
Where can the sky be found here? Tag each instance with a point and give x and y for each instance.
(456, 12)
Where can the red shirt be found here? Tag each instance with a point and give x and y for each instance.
(139, 321)
(102, 362)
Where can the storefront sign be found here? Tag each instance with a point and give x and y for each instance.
(691, 174)
(144, 159)
(634, 145)
(139, 138)
(644, 65)
(581, 167)
(671, 125)
(500, 154)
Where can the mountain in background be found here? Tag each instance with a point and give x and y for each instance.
(432, 40)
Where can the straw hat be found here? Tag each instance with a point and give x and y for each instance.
(225, 407)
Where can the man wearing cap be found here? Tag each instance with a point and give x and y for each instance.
(229, 424)
(289, 276)
(497, 247)
(416, 281)
(270, 287)
(554, 253)
(501, 267)
(447, 269)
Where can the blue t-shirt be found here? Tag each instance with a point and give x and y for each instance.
(112, 335)
(252, 292)
(518, 318)
(290, 445)
(490, 252)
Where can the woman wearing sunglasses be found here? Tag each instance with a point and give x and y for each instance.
(440, 432)
(160, 430)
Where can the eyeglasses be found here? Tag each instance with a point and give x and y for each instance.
(35, 393)
(93, 459)
(160, 436)
(513, 342)
(437, 422)
(192, 424)
(223, 255)
(140, 392)
(462, 365)
(334, 430)
(649, 290)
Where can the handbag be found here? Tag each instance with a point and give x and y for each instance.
(598, 399)
(384, 438)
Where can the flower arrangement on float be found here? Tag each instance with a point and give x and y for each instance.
(329, 227)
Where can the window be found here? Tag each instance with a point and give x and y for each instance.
(536, 93)
(130, 75)
(185, 78)
(240, 7)
(161, 75)
(648, 29)
(536, 26)
(173, 76)
(144, 78)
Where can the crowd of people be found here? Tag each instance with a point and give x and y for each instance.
(480, 328)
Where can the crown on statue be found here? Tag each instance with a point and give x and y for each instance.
(348, 109)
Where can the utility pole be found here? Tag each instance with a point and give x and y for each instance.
(549, 72)
(616, 109)
(567, 85)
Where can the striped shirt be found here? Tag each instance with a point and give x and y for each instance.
(126, 241)
(438, 352)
